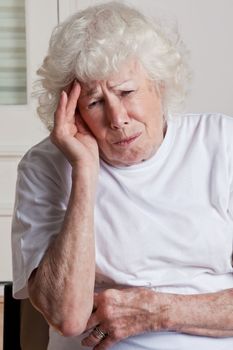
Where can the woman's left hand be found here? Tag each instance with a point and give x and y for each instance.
(120, 314)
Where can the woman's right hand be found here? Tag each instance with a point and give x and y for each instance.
(71, 135)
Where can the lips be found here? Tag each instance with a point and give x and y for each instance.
(127, 140)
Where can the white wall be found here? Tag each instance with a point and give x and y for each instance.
(207, 28)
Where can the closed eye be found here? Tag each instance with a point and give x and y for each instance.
(94, 104)
(126, 92)
(98, 102)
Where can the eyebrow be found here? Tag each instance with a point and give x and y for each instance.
(93, 91)
(90, 92)
(119, 84)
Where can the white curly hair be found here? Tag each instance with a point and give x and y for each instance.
(93, 43)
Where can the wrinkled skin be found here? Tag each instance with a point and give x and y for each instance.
(122, 313)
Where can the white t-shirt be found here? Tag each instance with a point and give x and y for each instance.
(166, 223)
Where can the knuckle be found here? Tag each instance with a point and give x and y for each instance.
(116, 334)
(109, 294)
(106, 294)
(107, 311)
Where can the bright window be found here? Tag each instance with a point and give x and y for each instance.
(13, 75)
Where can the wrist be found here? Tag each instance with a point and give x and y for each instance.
(84, 183)
(85, 173)
(161, 311)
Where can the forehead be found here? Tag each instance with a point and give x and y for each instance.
(131, 71)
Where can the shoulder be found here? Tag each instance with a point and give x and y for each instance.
(43, 154)
(209, 124)
(46, 159)
(204, 118)
(44, 167)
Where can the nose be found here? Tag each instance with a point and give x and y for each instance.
(117, 114)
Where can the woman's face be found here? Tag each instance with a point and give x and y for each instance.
(124, 114)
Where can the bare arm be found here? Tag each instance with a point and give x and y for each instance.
(202, 314)
(62, 286)
(131, 311)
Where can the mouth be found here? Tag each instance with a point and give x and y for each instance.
(128, 140)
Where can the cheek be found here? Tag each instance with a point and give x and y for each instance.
(140, 107)
(135, 110)
(149, 112)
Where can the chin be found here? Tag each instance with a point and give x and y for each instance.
(127, 160)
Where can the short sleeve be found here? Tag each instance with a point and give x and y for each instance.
(40, 205)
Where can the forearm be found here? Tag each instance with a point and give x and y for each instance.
(62, 286)
(203, 314)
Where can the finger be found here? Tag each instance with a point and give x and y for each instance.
(68, 88)
(96, 295)
(60, 113)
(105, 344)
(94, 307)
(93, 321)
(92, 339)
(73, 99)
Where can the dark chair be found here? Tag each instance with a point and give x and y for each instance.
(24, 328)
(11, 320)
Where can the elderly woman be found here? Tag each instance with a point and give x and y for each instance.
(123, 226)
